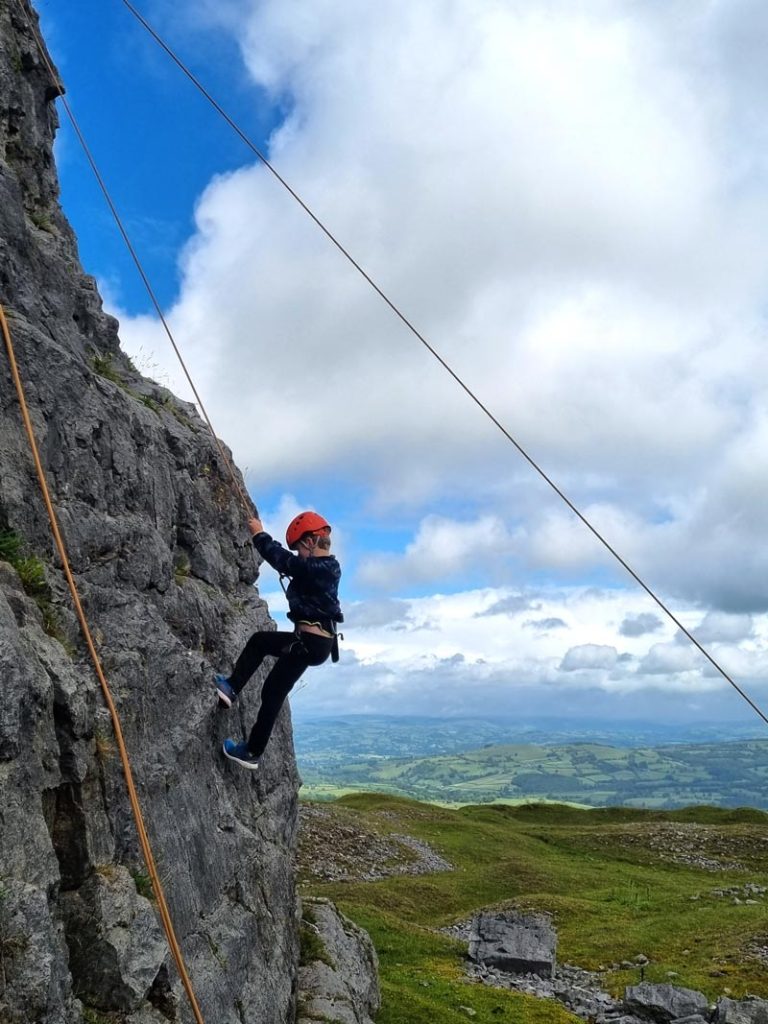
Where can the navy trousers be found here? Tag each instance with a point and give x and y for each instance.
(295, 652)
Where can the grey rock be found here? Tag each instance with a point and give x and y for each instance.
(343, 985)
(116, 944)
(515, 942)
(165, 571)
(743, 1011)
(664, 1003)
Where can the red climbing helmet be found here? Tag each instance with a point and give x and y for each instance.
(305, 522)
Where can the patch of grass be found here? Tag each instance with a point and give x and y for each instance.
(609, 901)
(10, 546)
(143, 883)
(104, 366)
(311, 946)
(31, 572)
(32, 575)
(168, 402)
(150, 403)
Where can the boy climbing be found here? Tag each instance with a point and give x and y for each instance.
(313, 608)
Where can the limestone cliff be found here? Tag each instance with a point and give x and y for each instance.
(165, 570)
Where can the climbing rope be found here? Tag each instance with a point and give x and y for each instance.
(244, 499)
(146, 848)
(446, 366)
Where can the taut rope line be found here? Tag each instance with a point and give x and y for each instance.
(446, 366)
(146, 848)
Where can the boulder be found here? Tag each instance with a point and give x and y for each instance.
(515, 942)
(664, 1003)
(743, 1011)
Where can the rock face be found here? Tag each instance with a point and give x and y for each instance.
(338, 974)
(165, 569)
(515, 942)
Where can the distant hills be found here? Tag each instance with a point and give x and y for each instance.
(473, 761)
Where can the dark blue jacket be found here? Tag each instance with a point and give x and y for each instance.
(313, 591)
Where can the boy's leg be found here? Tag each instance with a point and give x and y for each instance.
(286, 671)
(258, 647)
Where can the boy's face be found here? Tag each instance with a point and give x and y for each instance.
(314, 544)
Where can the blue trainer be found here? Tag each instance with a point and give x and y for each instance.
(239, 752)
(227, 694)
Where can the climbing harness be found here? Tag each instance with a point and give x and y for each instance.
(146, 847)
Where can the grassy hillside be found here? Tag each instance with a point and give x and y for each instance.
(724, 774)
(619, 882)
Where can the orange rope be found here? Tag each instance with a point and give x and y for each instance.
(132, 794)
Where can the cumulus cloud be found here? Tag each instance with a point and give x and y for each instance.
(504, 188)
(588, 656)
(510, 605)
(671, 658)
(551, 623)
(442, 549)
(724, 628)
(640, 625)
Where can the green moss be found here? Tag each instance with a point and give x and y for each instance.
(42, 220)
(93, 1016)
(182, 569)
(143, 883)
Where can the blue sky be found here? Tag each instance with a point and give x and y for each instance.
(568, 200)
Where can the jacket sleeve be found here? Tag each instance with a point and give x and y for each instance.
(277, 556)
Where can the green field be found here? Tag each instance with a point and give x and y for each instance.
(724, 774)
(618, 882)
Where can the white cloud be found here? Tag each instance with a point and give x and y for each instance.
(568, 200)
(588, 656)
(442, 548)
(718, 626)
(452, 660)
(639, 625)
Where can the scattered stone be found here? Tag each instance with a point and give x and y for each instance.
(335, 848)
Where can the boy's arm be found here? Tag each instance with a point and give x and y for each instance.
(273, 552)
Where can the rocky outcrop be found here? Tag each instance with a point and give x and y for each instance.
(339, 968)
(165, 571)
(514, 942)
